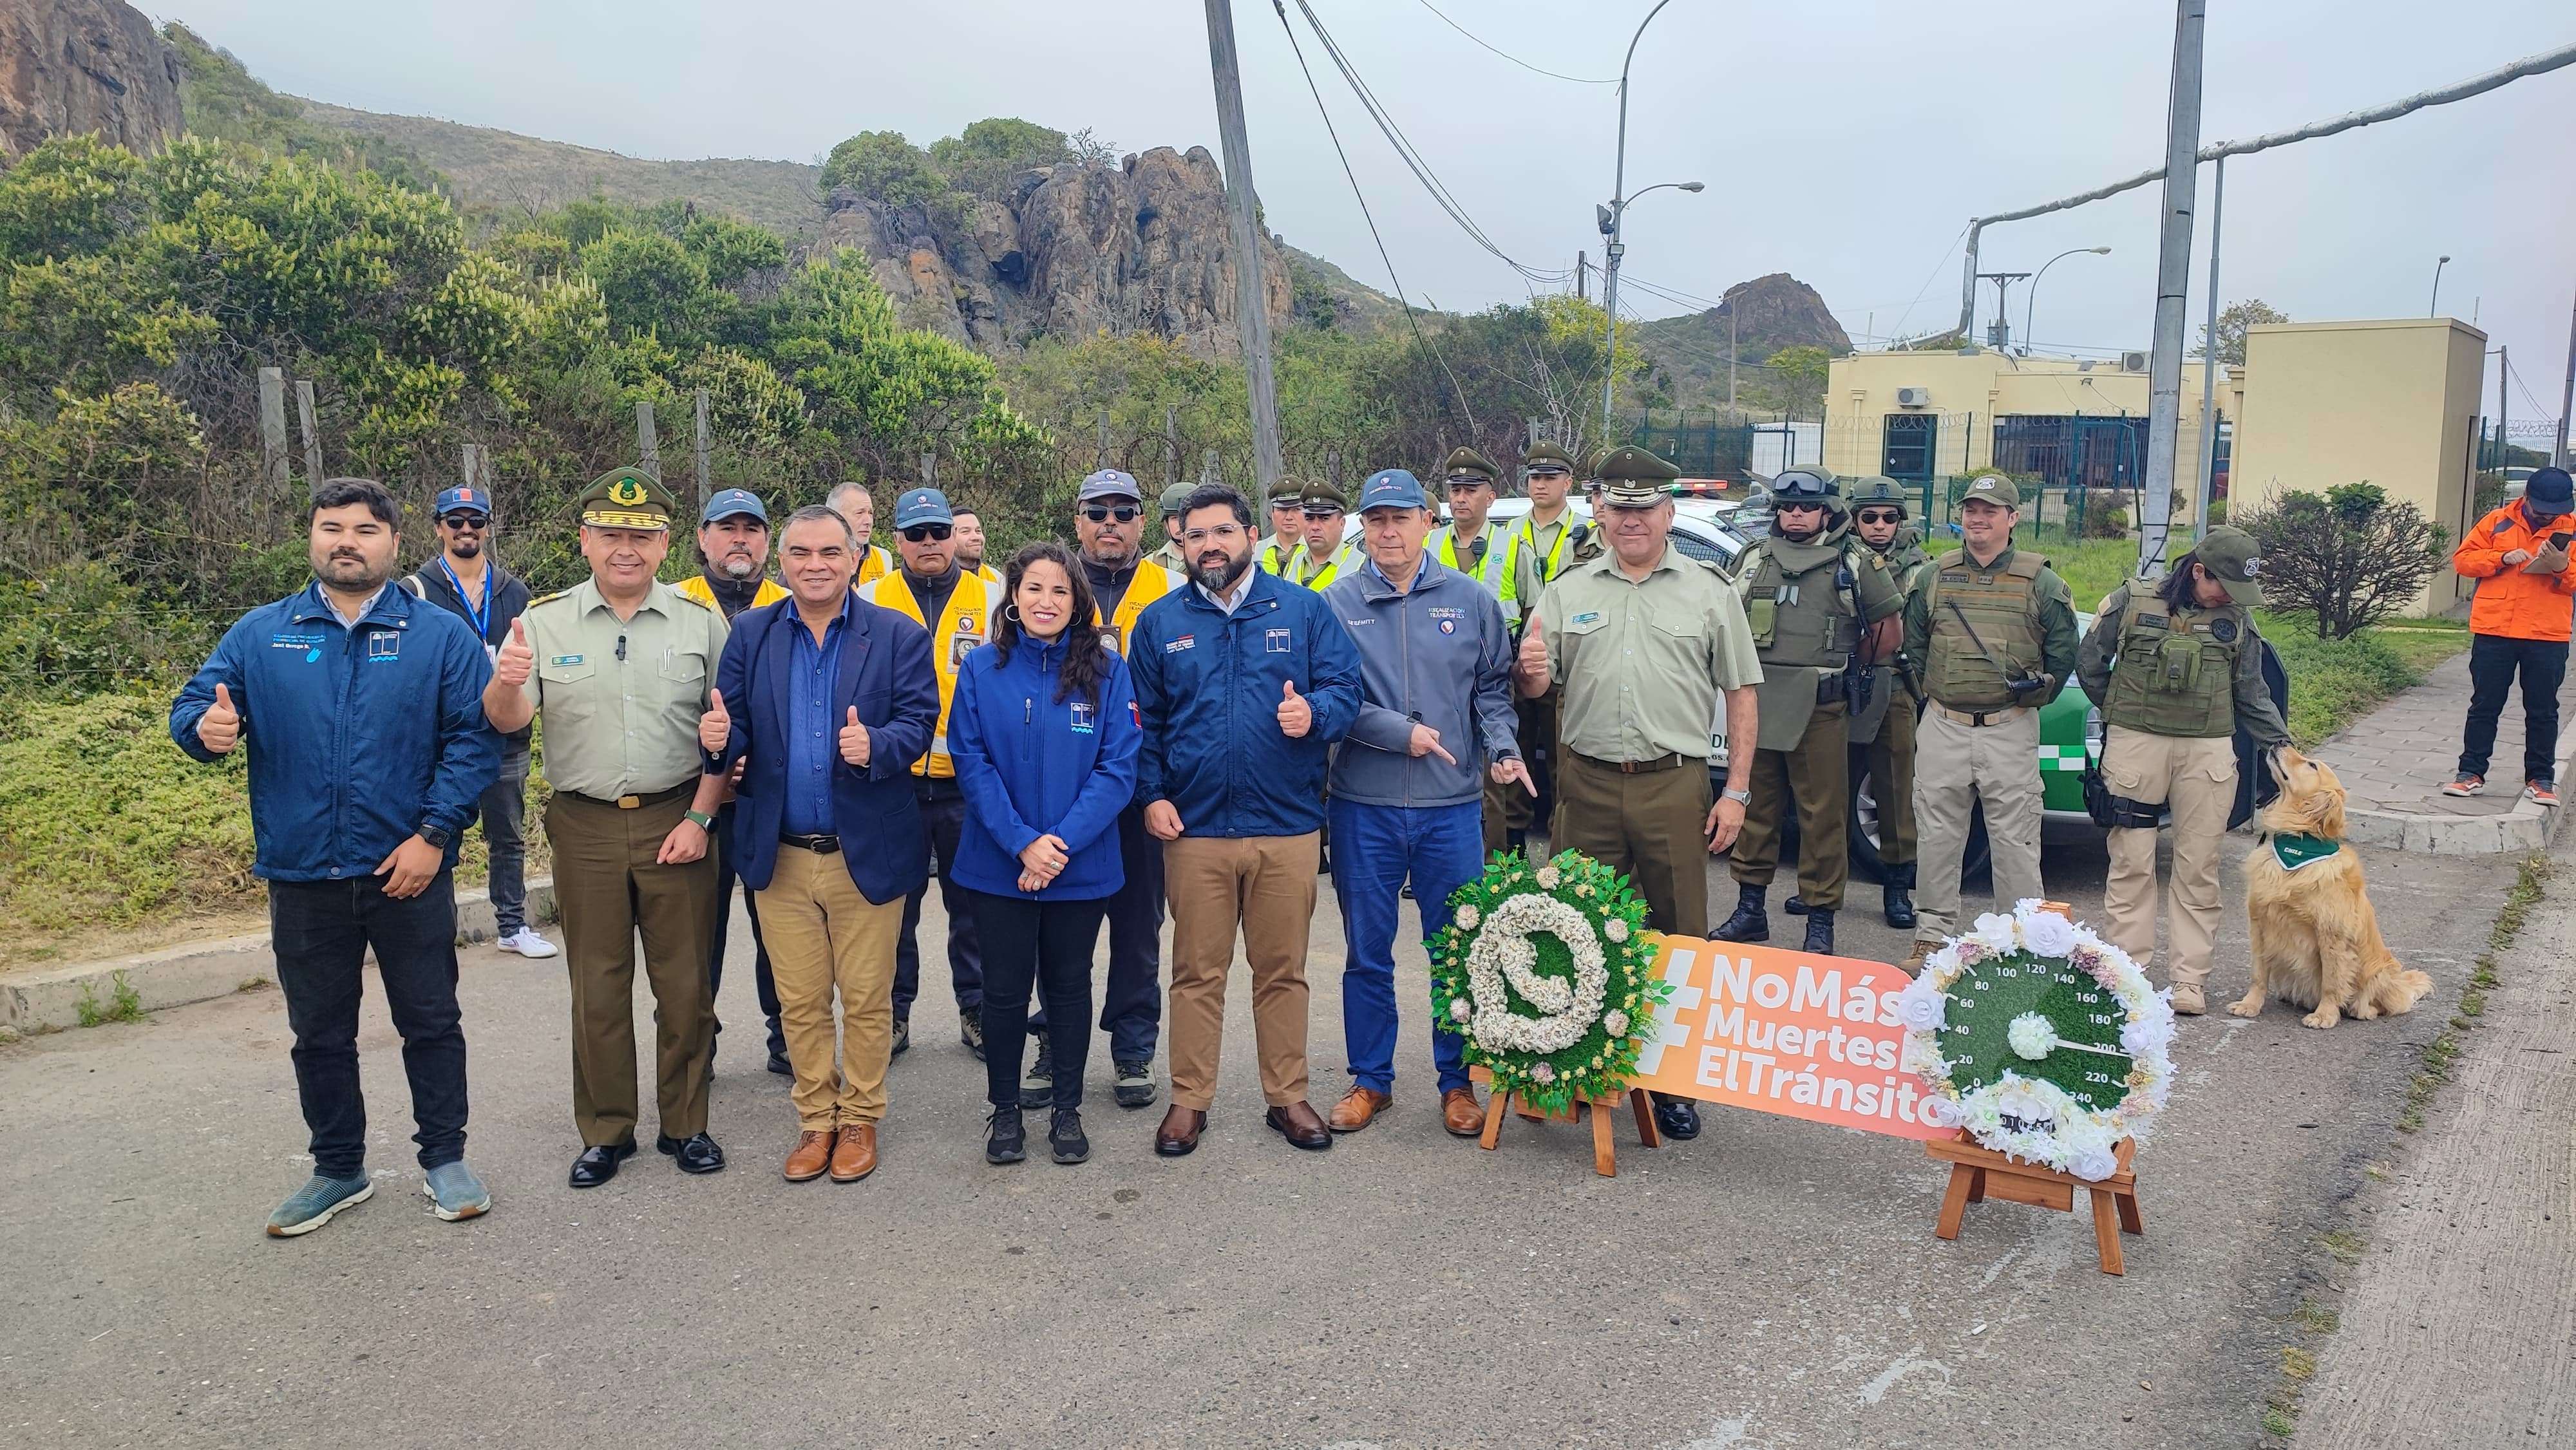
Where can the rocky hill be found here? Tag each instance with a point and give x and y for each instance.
(1772, 312)
(74, 66)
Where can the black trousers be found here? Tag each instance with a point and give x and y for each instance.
(1048, 943)
(321, 931)
(1131, 1003)
(2494, 661)
(943, 815)
(764, 984)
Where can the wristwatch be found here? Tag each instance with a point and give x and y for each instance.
(704, 821)
(1740, 797)
(434, 836)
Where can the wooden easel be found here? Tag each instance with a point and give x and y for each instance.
(1604, 1111)
(1977, 1171)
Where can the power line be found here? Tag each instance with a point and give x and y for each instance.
(1516, 60)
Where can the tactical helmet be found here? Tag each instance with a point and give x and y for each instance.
(1882, 490)
(1806, 483)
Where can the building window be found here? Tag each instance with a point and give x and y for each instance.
(2071, 450)
(1912, 440)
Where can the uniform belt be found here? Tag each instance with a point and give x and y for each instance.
(632, 802)
(1979, 719)
(819, 845)
(1630, 767)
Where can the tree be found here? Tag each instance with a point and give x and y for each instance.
(883, 165)
(2232, 323)
(1797, 378)
(2351, 558)
(992, 154)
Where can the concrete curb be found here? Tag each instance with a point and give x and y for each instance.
(2523, 829)
(196, 971)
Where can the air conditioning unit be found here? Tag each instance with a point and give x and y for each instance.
(1914, 397)
(2133, 362)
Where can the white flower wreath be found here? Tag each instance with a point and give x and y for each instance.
(1503, 954)
(2030, 1117)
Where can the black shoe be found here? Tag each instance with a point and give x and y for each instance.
(1064, 1136)
(1406, 890)
(970, 1030)
(1795, 906)
(1678, 1119)
(1820, 933)
(1897, 896)
(1037, 1085)
(696, 1153)
(1516, 842)
(1750, 922)
(1135, 1084)
(779, 1064)
(596, 1166)
(1005, 1139)
(902, 1036)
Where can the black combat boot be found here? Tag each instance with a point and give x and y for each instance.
(1795, 906)
(1897, 892)
(1750, 922)
(1820, 932)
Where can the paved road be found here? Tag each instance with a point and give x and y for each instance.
(1772, 1284)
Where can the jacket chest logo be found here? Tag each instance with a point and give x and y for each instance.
(385, 645)
(1274, 641)
(1083, 721)
(1175, 646)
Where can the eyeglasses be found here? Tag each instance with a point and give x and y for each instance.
(1222, 533)
(1124, 513)
(923, 533)
(1881, 516)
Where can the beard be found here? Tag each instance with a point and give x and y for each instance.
(351, 570)
(1219, 578)
(466, 548)
(738, 566)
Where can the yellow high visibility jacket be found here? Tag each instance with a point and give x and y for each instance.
(1152, 582)
(963, 625)
(695, 586)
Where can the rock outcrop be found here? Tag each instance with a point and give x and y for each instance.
(69, 67)
(1071, 250)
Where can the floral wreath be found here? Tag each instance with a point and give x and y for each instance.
(2041, 1039)
(1547, 974)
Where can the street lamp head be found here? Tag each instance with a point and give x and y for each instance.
(2099, 251)
(1694, 186)
(2443, 258)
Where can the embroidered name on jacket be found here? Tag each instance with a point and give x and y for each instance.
(1175, 646)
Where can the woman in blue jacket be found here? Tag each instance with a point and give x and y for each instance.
(1043, 730)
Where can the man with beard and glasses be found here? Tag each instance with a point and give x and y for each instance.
(362, 709)
(966, 540)
(733, 556)
(466, 579)
(1243, 684)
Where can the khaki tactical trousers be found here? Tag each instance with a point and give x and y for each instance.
(2197, 779)
(1956, 768)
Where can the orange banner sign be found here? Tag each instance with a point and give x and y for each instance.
(1784, 1032)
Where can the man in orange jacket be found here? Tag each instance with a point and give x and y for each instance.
(2519, 622)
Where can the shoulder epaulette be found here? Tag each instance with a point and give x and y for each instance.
(1955, 556)
(691, 598)
(548, 598)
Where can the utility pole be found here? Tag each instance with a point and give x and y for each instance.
(2504, 371)
(1730, 356)
(2567, 394)
(1999, 331)
(1252, 316)
(1580, 261)
(2173, 285)
(1612, 218)
(2208, 481)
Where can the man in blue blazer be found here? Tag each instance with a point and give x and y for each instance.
(829, 699)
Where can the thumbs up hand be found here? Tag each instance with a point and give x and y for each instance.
(715, 727)
(517, 658)
(854, 741)
(219, 729)
(1296, 715)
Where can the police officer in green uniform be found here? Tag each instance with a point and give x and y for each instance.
(1884, 728)
(1287, 526)
(1995, 629)
(2175, 666)
(1320, 562)
(620, 667)
(1543, 543)
(1822, 608)
(1643, 642)
(1169, 556)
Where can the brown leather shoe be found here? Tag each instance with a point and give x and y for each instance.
(1461, 1114)
(1357, 1108)
(1180, 1131)
(1301, 1125)
(855, 1156)
(812, 1154)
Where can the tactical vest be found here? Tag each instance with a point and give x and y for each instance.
(1151, 582)
(964, 623)
(1806, 618)
(2003, 605)
(2175, 673)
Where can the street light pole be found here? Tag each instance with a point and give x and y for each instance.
(1617, 248)
(2173, 285)
(2030, 299)
(2434, 307)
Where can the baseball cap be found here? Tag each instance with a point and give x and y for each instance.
(2547, 493)
(1392, 488)
(1993, 488)
(734, 503)
(921, 506)
(2235, 560)
(469, 499)
(1108, 483)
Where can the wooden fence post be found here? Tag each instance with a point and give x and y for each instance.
(648, 452)
(272, 430)
(698, 453)
(312, 433)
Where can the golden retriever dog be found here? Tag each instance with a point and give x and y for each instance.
(2316, 940)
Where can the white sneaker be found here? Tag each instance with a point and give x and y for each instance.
(526, 943)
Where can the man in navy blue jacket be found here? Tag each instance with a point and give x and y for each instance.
(362, 707)
(829, 700)
(1243, 683)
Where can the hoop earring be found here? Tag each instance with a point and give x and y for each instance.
(1011, 612)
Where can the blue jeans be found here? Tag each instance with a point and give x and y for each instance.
(1374, 849)
(504, 809)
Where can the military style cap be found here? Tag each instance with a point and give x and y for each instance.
(1466, 465)
(1108, 483)
(1993, 488)
(917, 506)
(1287, 492)
(1634, 477)
(1392, 488)
(1877, 489)
(1322, 497)
(1804, 484)
(734, 503)
(625, 498)
(1177, 495)
(2235, 560)
(1545, 457)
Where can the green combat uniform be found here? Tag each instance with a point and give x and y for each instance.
(1272, 558)
(1996, 640)
(1169, 556)
(2173, 684)
(1885, 730)
(619, 700)
(1809, 604)
(1539, 553)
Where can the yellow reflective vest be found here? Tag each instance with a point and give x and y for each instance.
(1497, 571)
(963, 625)
(695, 586)
(1151, 582)
(874, 564)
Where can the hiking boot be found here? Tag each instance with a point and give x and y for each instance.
(902, 1037)
(1912, 966)
(1064, 1136)
(1135, 1084)
(1896, 897)
(2465, 784)
(1750, 922)
(455, 1193)
(312, 1206)
(1820, 933)
(2187, 1000)
(1037, 1085)
(1005, 1139)
(2541, 792)
(970, 1030)
(1796, 905)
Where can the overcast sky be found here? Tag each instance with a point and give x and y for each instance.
(1845, 143)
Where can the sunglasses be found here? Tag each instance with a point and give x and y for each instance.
(463, 523)
(1880, 516)
(1801, 506)
(1124, 513)
(924, 533)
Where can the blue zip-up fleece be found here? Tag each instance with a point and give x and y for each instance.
(357, 736)
(1033, 765)
(1440, 655)
(1209, 686)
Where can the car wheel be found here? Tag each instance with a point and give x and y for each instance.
(1861, 826)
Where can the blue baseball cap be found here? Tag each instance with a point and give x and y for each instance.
(1109, 483)
(469, 499)
(735, 503)
(921, 506)
(1392, 488)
